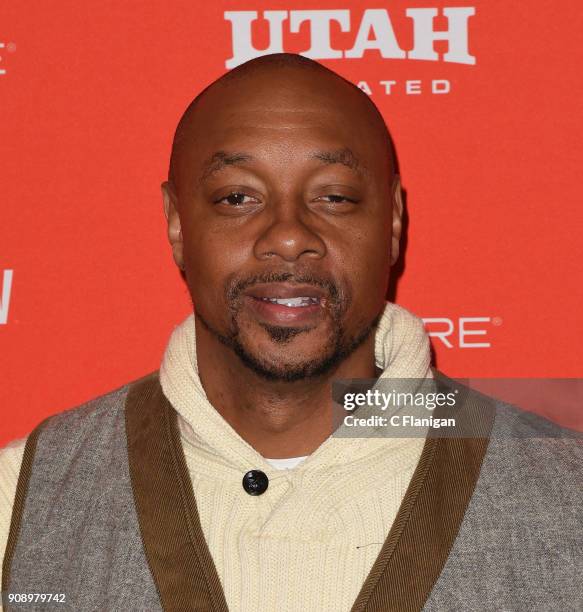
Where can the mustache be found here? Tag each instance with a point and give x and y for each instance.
(237, 286)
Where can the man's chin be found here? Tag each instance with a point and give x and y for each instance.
(286, 352)
(291, 353)
(277, 365)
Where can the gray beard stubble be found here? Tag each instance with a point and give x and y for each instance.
(336, 351)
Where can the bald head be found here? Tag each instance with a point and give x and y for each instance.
(273, 74)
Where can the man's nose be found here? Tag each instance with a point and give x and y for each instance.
(288, 235)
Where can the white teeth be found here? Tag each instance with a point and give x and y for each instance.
(293, 302)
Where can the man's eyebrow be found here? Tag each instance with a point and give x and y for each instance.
(221, 159)
(344, 156)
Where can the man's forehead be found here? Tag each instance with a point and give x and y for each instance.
(287, 99)
(270, 113)
(313, 110)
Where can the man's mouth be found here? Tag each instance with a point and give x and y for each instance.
(286, 303)
(297, 302)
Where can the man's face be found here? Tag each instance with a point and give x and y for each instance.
(284, 197)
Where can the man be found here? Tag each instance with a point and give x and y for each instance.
(215, 483)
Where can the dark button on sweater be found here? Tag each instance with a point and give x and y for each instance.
(255, 482)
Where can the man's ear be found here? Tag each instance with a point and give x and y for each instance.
(397, 197)
(174, 229)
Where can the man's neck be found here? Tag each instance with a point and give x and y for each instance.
(278, 419)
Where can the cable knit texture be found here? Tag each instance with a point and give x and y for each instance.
(310, 540)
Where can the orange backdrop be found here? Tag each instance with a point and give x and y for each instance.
(490, 151)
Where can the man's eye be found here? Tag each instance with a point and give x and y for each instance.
(337, 198)
(236, 199)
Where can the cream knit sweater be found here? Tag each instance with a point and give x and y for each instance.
(307, 543)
